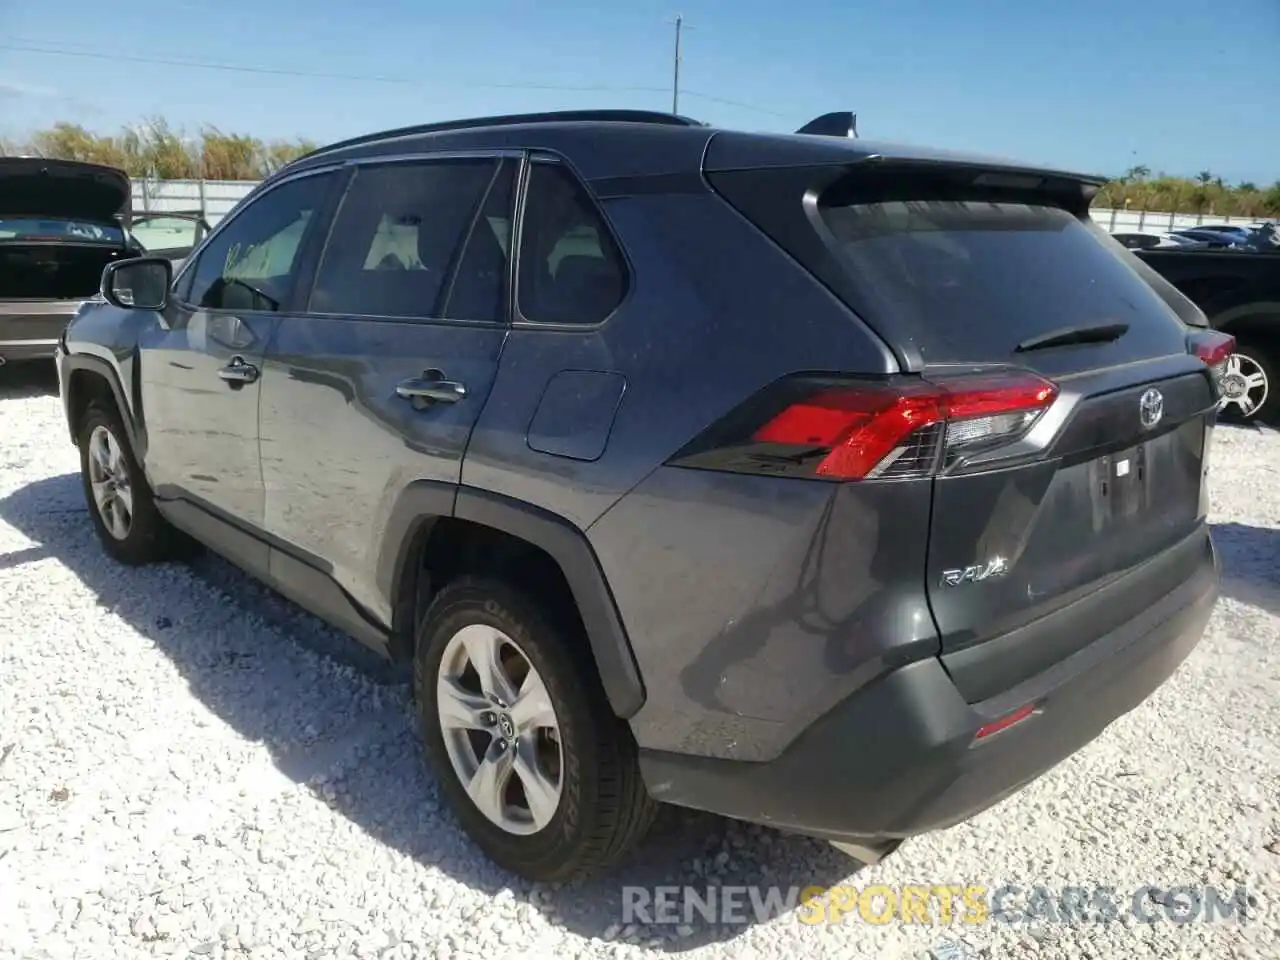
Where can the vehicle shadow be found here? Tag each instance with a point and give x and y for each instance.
(367, 765)
(1250, 564)
(28, 378)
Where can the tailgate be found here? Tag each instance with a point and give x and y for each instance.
(1108, 499)
(963, 269)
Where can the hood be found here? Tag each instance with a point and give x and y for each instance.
(64, 189)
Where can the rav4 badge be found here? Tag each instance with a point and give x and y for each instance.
(995, 567)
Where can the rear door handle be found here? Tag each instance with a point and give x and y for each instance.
(431, 387)
(238, 371)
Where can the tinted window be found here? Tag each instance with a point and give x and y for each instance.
(983, 276)
(478, 289)
(396, 238)
(571, 271)
(252, 263)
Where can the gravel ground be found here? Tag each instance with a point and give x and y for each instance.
(190, 766)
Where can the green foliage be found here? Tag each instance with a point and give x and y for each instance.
(1206, 193)
(154, 149)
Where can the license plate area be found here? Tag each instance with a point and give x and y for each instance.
(1149, 485)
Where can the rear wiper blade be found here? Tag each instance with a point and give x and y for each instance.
(1066, 336)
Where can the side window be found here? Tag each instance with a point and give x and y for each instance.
(397, 236)
(478, 290)
(571, 271)
(251, 265)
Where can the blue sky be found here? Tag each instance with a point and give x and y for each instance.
(1101, 85)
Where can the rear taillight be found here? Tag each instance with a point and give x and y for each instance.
(1214, 347)
(898, 429)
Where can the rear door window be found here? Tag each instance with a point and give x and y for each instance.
(396, 238)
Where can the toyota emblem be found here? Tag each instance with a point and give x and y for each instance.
(1151, 408)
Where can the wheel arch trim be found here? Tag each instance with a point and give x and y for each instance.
(424, 502)
(79, 362)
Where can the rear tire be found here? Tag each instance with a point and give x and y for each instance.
(124, 513)
(586, 805)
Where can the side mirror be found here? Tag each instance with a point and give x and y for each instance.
(141, 283)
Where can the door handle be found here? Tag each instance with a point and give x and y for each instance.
(238, 372)
(430, 387)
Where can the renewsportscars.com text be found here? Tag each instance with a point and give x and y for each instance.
(940, 904)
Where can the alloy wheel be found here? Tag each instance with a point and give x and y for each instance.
(500, 729)
(1245, 385)
(109, 480)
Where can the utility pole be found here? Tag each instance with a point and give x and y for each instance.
(675, 82)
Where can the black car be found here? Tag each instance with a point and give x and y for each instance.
(1239, 293)
(838, 486)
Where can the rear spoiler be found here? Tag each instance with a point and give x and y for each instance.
(842, 123)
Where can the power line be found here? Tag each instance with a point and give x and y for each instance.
(39, 47)
(276, 71)
(733, 103)
(204, 64)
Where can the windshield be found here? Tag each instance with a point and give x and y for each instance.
(35, 228)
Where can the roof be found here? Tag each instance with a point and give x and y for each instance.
(608, 144)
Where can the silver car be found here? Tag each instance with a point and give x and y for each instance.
(61, 223)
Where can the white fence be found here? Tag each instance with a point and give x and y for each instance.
(212, 198)
(1149, 221)
(215, 198)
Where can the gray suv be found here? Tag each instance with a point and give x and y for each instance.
(835, 486)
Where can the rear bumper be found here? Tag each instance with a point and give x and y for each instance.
(31, 329)
(899, 758)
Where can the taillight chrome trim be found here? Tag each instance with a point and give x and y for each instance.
(848, 429)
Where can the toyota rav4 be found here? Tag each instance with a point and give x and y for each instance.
(835, 486)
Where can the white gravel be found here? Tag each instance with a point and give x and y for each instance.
(190, 766)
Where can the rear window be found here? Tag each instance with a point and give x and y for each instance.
(973, 279)
(32, 228)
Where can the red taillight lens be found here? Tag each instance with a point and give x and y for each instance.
(1213, 347)
(848, 431)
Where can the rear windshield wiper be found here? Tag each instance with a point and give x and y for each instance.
(1066, 336)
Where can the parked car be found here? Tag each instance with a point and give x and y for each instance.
(1233, 231)
(1239, 293)
(61, 223)
(737, 471)
(1151, 241)
(172, 234)
(1212, 238)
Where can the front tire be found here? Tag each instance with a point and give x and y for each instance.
(124, 513)
(540, 773)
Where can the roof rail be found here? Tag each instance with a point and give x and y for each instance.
(843, 123)
(554, 116)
